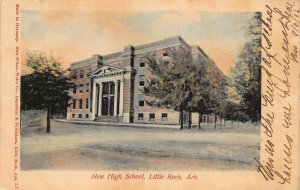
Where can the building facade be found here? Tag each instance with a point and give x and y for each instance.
(109, 87)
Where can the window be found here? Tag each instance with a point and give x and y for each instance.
(105, 88)
(166, 57)
(73, 115)
(80, 103)
(80, 88)
(75, 75)
(142, 80)
(215, 89)
(74, 90)
(87, 103)
(140, 116)
(112, 88)
(141, 101)
(142, 62)
(164, 116)
(81, 74)
(74, 103)
(79, 115)
(86, 115)
(108, 88)
(87, 87)
(89, 72)
(152, 117)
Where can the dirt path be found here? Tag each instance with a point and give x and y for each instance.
(88, 147)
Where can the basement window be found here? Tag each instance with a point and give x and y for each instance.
(140, 116)
(152, 117)
(164, 116)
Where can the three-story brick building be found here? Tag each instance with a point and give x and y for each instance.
(109, 87)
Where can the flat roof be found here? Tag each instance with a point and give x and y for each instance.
(172, 41)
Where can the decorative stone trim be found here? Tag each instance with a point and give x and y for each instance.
(108, 74)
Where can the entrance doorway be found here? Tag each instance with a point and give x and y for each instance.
(108, 98)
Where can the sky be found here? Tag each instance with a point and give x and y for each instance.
(73, 35)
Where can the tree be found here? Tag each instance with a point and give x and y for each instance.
(213, 104)
(180, 83)
(215, 96)
(201, 88)
(222, 97)
(230, 111)
(171, 82)
(47, 87)
(247, 71)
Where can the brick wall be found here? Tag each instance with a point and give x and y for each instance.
(130, 58)
(74, 113)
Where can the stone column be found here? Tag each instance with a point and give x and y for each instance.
(116, 98)
(121, 98)
(90, 95)
(94, 101)
(100, 99)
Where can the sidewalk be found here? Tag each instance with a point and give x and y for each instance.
(146, 125)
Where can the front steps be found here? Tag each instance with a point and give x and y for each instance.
(108, 119)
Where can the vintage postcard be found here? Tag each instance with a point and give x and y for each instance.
(141, 94)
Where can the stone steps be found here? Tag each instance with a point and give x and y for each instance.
(108, 119)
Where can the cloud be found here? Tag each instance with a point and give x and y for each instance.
(73, 35)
